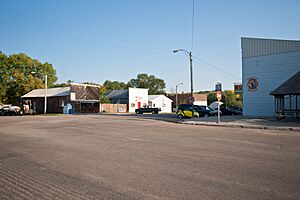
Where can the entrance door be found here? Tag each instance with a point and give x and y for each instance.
(139, 104)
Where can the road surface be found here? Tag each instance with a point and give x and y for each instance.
(123, 157)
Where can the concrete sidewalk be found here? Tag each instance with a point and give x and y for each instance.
(246, 122)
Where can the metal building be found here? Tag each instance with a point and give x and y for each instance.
(266, 64)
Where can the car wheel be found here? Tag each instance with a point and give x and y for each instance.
(153, 112)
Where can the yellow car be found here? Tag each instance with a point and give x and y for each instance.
(186, 112)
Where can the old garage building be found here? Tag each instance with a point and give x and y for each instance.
(84, 98)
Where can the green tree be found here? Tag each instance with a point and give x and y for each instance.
(155, 85)
(17, 78)
(212, 97)
(228, 98)
(114, 85)
(103, 98)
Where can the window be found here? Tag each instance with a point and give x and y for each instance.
(61, 103)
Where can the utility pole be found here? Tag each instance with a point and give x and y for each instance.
(46, 83)
(191, 71)
(176, 98)
(192, 88)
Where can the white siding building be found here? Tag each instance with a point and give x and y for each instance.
(266, 64)
(160, 101)
(138, 97)
(133, 97)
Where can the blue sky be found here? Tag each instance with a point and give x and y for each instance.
(97, 40)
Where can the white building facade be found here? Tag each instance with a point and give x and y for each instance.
(137, 98)
(266, 64)
(160, 101)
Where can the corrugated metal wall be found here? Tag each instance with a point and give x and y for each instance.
(271, 71)
(254, 47)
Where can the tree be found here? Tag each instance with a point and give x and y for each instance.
(103, 97)
(155, 85)
(114, 85)
(17, 78)
(228, 98)
(212, 97)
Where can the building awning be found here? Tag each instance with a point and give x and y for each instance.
(289, 87)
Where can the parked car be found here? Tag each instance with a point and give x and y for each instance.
(230, 110)
(147, 110)
(203, 111)
(185, 111)
(10, 110)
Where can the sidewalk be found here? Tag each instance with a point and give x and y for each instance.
(247, 122)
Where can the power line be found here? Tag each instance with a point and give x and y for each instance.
(215, 67)
(106, 36)
(79, 29)
(111, 45)
(82, 40)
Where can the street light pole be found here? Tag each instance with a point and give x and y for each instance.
(192, 87)
(191, 73)
(46, 83)
(176, 100)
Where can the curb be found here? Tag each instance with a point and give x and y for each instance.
(240, 126)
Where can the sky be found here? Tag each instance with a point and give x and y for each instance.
(97, 40)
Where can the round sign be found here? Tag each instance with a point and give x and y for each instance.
(252, 84)
(219, 95)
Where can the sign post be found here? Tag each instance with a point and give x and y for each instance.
(219, 97)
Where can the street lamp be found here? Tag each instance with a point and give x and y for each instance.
(176, 100)
(46, 82)
(189, 54)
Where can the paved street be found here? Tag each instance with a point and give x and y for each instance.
(127, 157)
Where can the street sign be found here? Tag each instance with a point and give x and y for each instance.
(219, 95)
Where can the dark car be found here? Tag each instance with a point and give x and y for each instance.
(147, 110)
(230, 110)
(203, 111)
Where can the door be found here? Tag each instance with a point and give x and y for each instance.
(139, 104)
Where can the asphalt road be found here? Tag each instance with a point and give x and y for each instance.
(124, 157)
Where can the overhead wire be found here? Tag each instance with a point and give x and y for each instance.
(215, 67)
(80, 39)
(106, 36)
(79, 29)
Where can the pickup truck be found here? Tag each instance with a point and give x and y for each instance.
(147, 110)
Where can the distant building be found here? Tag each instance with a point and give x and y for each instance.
(218, 86)
(266, 64)
(199, 99)
(133, 97)
(160, 101)
(84, 98)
